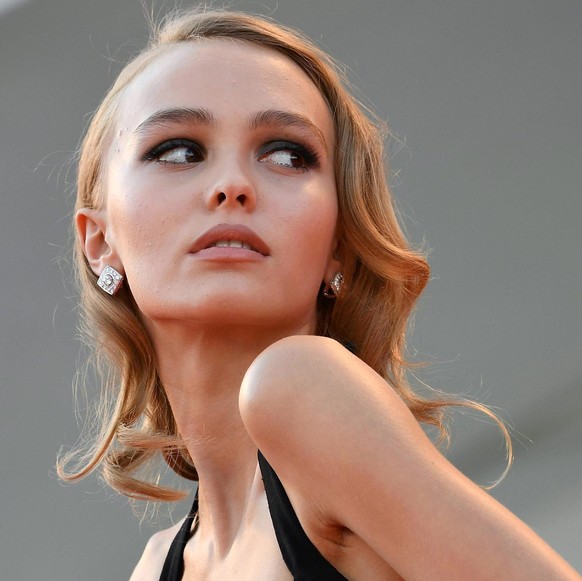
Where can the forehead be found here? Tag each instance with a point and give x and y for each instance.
(231, 79)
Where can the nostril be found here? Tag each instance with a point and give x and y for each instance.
(222, 197)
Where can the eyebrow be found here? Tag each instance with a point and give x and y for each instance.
(282, 119)
(173, 117)
(201, 116)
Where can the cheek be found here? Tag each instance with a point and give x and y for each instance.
(142, 232)
(322, 215)
(133, 228)
(138, 216)
(312, 232)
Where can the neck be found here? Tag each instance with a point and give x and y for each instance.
(202, 371)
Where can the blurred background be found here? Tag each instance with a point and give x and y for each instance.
(485, 101)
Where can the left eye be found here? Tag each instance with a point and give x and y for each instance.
(288, 155)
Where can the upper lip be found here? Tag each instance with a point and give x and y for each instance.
(238, 232)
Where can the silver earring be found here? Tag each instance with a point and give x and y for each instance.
(335, 286)
(110, 280)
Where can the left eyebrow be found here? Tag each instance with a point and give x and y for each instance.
(176, 116)
(282, 119)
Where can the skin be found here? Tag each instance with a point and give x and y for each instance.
(235, 345)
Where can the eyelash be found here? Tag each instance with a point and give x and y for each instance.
(157, 151)
(309, 155)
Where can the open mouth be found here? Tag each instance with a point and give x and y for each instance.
(231, 236)
(231, 244)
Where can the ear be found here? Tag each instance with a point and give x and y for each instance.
(92, 232)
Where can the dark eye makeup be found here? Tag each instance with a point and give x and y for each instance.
(280, 153)
(289, 155)
(176, 151)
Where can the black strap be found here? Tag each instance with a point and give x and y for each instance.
(301, 556)
(174, 563)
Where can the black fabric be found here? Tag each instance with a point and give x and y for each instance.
(174, 563)
(301, 556)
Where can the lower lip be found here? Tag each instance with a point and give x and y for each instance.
(228, 254)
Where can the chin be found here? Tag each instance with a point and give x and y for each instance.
(229, 307)
(233, 313)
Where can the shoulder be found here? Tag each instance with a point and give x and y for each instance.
(354, 458)
(324, 419)
(336, 433)
(150, 565)
(306, 365)
(288, 381)
(302, 378)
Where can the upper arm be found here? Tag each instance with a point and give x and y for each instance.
(334, 430)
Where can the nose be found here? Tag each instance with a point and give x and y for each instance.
(232, 188)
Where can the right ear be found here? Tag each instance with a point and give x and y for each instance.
(92, 232)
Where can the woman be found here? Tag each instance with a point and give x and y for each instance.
(243, 273)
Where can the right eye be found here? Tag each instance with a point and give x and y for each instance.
(176, 152)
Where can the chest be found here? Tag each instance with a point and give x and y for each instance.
(254, 554)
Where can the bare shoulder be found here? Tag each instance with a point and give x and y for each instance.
(149, 567)
(345, 444)
(316, 382)
(314, 365)
(309, 402)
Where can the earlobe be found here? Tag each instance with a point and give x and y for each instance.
(91, 227)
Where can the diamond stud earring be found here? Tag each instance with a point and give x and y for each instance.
(336, 283)
(335, 286)
(110, 280)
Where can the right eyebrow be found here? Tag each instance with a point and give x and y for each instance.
(174, 116)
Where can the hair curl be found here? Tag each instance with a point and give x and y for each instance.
(383, 275)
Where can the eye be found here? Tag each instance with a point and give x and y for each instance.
(176, 152)
(289, 155)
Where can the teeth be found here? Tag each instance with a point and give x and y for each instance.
(232, 244)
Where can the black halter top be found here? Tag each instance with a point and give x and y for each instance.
(301, 556)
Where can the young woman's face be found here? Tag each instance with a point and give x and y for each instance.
(220, 190)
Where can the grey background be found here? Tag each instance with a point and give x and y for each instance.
(486, 99)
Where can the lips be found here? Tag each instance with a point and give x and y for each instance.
(233, 236)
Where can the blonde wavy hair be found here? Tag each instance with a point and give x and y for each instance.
(383, 275)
